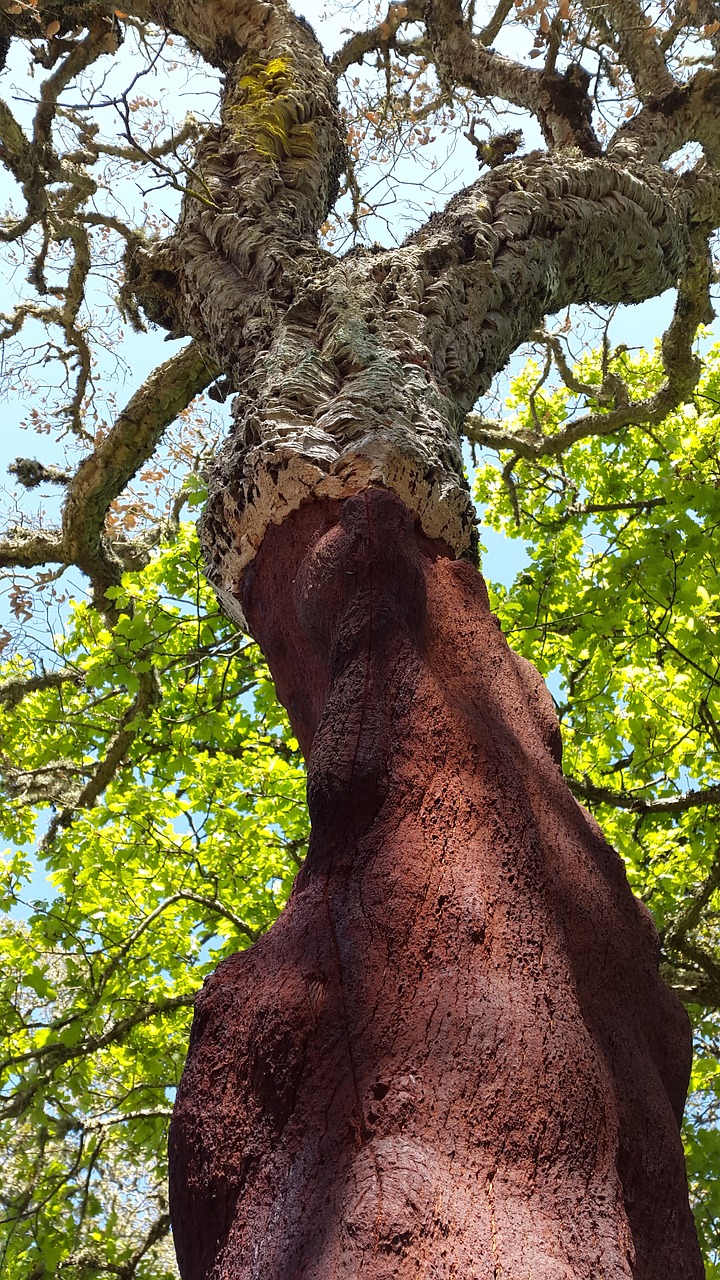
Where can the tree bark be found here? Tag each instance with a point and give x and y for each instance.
(452, 1055)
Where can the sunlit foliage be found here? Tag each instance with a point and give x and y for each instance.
(171, 797)
(619, 608)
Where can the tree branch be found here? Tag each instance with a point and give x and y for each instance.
(182, 895)
(56, 1055)
(638, 48)
(15, 688)
(710, 969)
(690, 916)
(586, 790)
(682, 369)
(109, 468)
(559, 102)
(148, 695)
(105, 472)
(83, 1261)
(28, 548)
(379, 37)
(692, 988)
(492, 28)
(95, 1126)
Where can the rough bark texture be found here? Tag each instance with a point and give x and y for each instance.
(452, 1055)
(371, 369)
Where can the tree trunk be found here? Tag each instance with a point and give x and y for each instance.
(452, 1055)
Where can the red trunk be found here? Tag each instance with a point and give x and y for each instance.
(452, 1055)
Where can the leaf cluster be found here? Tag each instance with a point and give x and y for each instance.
(619, 607)
(185, 854)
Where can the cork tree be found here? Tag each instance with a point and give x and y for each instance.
(452, 1054)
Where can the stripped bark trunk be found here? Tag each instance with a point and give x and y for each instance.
(452, 1055)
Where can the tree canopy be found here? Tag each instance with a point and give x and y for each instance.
(146, 766)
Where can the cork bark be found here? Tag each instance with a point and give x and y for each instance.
(452, 1055)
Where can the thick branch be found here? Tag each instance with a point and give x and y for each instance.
(689, 113)
(16, 151)
(682, 369)
(15, 688)
(27, 549)
(109, 468)
(340, 402)
(638, 48)
(635, 803)
(702, 987)
(559, 102)
(492, 28)
(691, 987)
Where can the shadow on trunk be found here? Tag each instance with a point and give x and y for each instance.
(452, 1055)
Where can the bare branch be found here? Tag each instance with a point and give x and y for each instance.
(379, 37)
(639, 48)
(109, 468)
(635, 803)
(190, 130)
(31, 473)
(15, 688)
(492, 29)
(682, 370)
(106, 471)
(16, 151)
